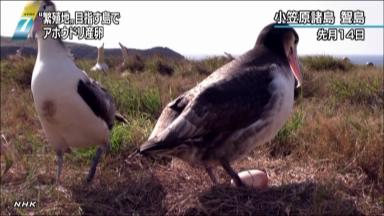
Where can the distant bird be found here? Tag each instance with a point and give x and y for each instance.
(74, 110)
(124, 52)
(135, 64)
(239, 106)
(18, 56)
(369, 64)
(124, 65)
(100, 64)
(19, 51)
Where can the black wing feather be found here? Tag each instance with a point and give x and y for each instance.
(226, 106)
(98, 99)
(235, 103)
(229, 104)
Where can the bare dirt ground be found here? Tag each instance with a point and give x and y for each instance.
(138, 186)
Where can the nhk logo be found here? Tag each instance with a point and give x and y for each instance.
(25, 204)
(25, 23)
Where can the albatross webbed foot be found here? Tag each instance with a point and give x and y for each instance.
(227, 167)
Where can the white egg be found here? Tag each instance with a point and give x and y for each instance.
(253, 178)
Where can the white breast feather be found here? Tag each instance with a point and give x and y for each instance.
(75, 124)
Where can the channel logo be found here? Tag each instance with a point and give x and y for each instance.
(25, 23)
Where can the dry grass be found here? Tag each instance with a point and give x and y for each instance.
(328, 159)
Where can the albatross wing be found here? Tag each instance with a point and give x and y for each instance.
(98, 100)
(224, 106)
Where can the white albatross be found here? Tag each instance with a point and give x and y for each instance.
(74, 110)
(100, 64)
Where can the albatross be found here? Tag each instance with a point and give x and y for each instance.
(239, 106)
(100, 64)
(124, 52)
(74, 110)
(134, 64)
(18, 56)
(124, 65)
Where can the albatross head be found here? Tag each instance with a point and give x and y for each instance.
(45, 6)
(283, 42)
(49, 45)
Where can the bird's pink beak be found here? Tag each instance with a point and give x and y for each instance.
(295, 68)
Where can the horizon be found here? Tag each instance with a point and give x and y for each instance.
(219, 26)
(202, 56)
(376, 59)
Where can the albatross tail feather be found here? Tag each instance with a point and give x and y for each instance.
(149, 146)
(153, 145)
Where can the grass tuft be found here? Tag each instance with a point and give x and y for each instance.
(325, 63)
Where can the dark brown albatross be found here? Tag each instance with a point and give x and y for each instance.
(240, 105)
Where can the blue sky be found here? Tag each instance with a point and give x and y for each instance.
(209, 28)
